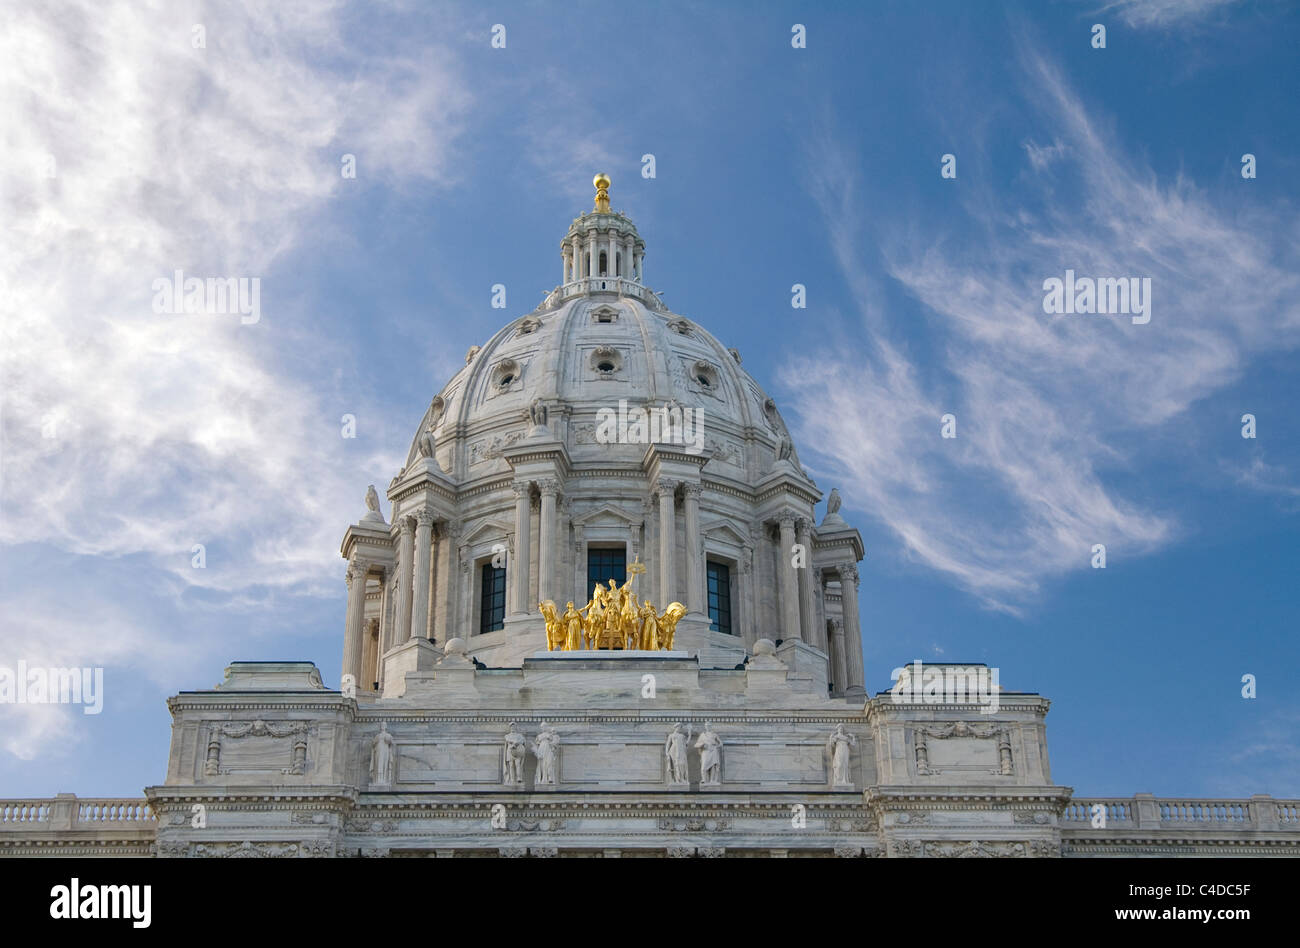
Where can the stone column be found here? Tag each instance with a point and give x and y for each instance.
(667, 542)
(803, 536)
(839, 674)
(420, 581)
(852, 630)
(358, 570)
(369, 656)
(640, 266)
(444, 608)
(546, 547)
(580, 564)
(695, 600)
(577, 257)
(789, 583)
(405, 573)
(520, 568)
(744, 623)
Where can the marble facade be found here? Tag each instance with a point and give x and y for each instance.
(455, 732)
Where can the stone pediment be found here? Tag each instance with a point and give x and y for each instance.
(487, 530)
(608, 515)
(726, 531)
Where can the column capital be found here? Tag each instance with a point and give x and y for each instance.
(424, 517)
(666, 485)
(523, 490)
(407, 526)
(549, 486)
(848, 571)
(693, 489)
(785, 521)
(803, 525)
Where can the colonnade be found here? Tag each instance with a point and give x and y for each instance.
(427, 560)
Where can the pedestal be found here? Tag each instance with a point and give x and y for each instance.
(413, 655)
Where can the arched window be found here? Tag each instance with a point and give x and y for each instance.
(604, 263)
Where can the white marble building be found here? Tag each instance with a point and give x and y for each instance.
(455, 731)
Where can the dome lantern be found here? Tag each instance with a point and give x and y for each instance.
(602, 252)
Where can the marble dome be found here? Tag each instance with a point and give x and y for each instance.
(598, 432)
(589, 353)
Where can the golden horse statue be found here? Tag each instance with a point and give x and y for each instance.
(554, 629)
(668, 624)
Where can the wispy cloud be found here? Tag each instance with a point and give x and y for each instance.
(1158, 14)
(1045, 406)
(130, 153)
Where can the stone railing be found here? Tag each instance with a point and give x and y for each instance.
(618, 285)
(1147, 812)
(23, 814)
(68, 812)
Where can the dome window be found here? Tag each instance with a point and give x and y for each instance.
(605, 361)
(506, 374)
(705, 375)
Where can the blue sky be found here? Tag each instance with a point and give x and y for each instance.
(130, 436)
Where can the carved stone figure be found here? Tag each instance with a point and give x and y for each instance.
(382, 754)
(710, 747)
(833, 501)
(545, 749)
(675, 751)
(537, 413)
(840, 743)
(427, 443)
(372, 499)
(512, 767)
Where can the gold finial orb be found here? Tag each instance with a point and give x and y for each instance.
(601, 182)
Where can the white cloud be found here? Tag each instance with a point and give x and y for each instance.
(1157, 14)
(1046, 407)
(129, 432)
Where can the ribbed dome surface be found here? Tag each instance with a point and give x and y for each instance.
(589, 353)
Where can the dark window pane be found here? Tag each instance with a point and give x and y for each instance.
(493, 611)
(719, 577)
(604, 565)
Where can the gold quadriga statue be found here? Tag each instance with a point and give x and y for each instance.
(611, 619)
